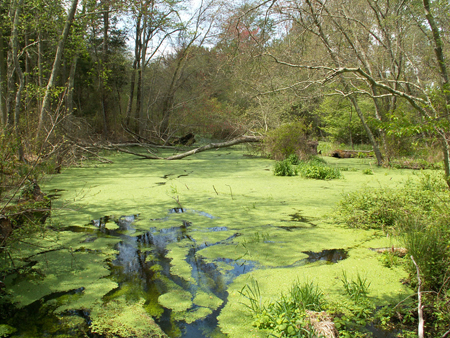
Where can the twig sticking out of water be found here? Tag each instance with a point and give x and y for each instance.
(178, 202)
(231, 191)
(419, 296)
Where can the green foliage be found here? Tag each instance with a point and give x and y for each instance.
(288, 139)
(338, 117)
(211, 118)
(390, 258)
(381, 208)
(317, 168)
(293, 159)
(285, 317)
(11, 169)
(307, 296)
(367, 171)
(6, 330)
(428, 244)
(414, 163)
(351, 317)
(285, 168)
(357, 289)
(418, 213)
(353, 314)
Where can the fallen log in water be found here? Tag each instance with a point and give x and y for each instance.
(242, 139)
(351, 153)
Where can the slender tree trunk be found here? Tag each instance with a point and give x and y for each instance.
(104, 89)
(27, 71)
(56, 66)
(446, 152)
(137, 120)
(335, 59)
(40, 70)
(140, 113)
(438, 50)
(440, 58)
(15, 56)
(378, 117)
(3, 85)
(137, 53)
(131, 95)
(10, 88)
(70, 89)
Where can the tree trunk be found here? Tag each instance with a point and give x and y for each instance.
(40, 71)
(334, 57)
(104, 89)
(131, 94)
(10, 88)
(137, 121)
(438, 50)
(140, 105)
(440, 58)
(242, 139)
(15, 56)
(137, 54)
(3, 85)
(56, 66)
(70, 89)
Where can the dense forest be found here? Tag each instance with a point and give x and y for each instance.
(79, 78)
(370, 72)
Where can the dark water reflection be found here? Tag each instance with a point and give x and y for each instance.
(330, 256)
(142, 266)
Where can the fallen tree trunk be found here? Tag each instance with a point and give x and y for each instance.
(242, 139)
(351, 153)
(152, 156)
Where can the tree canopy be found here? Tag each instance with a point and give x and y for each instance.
(366, 71)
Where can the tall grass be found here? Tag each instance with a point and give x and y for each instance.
(357, 289)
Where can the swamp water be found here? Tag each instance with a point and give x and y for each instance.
(176, 241)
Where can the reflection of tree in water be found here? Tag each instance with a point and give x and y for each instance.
(142, 268)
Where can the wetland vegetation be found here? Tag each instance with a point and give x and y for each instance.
(198, 251)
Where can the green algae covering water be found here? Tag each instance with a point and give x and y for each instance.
(147, 248)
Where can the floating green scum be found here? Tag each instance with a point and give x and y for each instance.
(176, 241)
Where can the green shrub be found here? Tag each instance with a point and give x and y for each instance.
(293, 159)
(317, 168)
(285, 168)
(285, 317)
(367, 171)
(411, 163)
(288, 139)
(381, 208)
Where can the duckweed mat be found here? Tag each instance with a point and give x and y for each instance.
(171, 244)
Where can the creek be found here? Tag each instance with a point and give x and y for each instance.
(181, 250)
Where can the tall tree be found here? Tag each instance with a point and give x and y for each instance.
(369, 56)
(56, 66)
(3, 77)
